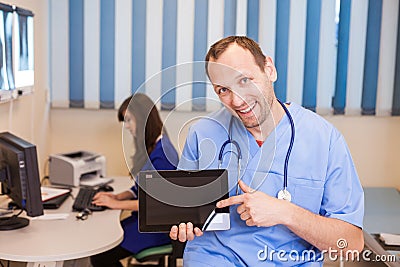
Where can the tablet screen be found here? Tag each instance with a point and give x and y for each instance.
(167, 198)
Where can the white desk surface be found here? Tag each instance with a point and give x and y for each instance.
(59, 240)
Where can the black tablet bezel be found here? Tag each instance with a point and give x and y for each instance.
(212, 175)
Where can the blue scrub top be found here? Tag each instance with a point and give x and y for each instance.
(321, 178)
(163, 157)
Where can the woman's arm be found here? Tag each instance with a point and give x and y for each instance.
(111, 201)
(122, 201)
(132, 205)
(126, 195)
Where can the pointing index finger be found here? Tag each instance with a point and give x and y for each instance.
(230, 201)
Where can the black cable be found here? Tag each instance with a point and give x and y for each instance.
(45, 171)
(43, 179)
(19, 213)
(1, 263)
(46, 167)
(6, 219)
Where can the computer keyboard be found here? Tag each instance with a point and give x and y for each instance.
(84, 200)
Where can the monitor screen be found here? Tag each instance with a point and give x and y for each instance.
(19, 176)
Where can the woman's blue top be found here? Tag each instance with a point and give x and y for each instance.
(163, 157)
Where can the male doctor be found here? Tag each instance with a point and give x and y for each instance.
(326, 207)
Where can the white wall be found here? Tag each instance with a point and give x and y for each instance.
(92, 130)
(373, 141)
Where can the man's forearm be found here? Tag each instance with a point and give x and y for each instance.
(323, 232)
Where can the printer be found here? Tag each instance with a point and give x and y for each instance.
(74, 167)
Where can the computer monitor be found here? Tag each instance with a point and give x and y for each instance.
(19, 178)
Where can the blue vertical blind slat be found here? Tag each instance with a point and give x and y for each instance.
(253, 19)
(371, 64)
(396, 89)
(169, 55)
(138, 44)
(107, 59)
(339, 100)
(76, 74)
(230, 17)
(311, 54)
(199, 52)
(282, 44)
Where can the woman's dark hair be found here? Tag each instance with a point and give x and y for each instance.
(148, 122)
(122, 109)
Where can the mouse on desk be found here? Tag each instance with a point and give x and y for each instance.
(83, 215)
(105, 188)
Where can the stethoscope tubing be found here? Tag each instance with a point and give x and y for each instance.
(239, 152)
(285, 168)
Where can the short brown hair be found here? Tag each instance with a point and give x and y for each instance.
(220, 47)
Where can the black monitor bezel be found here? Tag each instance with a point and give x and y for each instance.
(34, 205)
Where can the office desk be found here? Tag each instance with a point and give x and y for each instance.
(382, 210)
(50, 242)
(382, 215)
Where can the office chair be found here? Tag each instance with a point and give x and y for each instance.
(171, 251)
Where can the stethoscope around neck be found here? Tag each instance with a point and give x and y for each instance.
(283, 193)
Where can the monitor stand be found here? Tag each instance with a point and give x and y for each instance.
(12, 223)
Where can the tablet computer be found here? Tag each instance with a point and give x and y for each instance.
(168, 198)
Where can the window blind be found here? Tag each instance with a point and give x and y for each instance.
(333, 57)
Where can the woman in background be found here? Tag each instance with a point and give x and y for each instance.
(153, 151)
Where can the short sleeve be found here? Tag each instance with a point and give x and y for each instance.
(343, 194)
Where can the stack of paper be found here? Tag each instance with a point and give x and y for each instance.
(53, 192)
(52, 216)
(94, 180)
(390, 239)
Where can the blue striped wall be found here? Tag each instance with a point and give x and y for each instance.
(110, 49)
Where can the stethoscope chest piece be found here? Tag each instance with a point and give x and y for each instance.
(285, 195)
